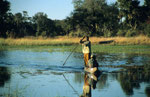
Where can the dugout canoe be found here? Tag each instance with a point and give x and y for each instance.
(90, 70)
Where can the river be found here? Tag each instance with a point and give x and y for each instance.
(28, 73)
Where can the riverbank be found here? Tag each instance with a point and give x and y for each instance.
(139, 40)
(96, 48)
(135, 45)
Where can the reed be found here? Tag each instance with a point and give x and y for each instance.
(139, 40)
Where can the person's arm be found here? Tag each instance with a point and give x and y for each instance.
(87, 43)
(81, 41)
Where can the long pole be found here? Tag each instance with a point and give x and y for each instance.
(70, 55)
(70, 85)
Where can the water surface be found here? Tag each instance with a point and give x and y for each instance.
(26, 73)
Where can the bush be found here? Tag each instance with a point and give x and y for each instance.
(130, 33)
(147, 30)
(43, 34)
(10, 34)
(121, 33)
(108, 34)
(78, 33)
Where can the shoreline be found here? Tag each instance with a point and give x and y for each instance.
(129, 49)
(64, 40)
(136, 45)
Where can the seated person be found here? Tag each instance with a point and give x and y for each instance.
(92, 62)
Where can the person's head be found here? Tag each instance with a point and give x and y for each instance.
(93, 56)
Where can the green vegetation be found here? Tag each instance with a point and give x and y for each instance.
(139, 40)
(138, 45)
(90, 17)
(126, 22)
(136, 49)
(96, 48)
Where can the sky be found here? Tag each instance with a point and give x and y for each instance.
(55, 9)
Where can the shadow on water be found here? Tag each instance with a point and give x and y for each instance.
(4, 76)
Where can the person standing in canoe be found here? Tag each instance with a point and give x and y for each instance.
(86, 49)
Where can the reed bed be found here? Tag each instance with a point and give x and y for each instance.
(139, 40)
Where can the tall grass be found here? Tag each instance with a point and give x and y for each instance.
(139, 45)
(139, 40)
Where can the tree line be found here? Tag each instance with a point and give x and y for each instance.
(89, 17)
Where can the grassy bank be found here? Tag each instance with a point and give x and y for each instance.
(140, 40)
(138, 45)
(96, 48)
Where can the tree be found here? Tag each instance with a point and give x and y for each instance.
(147, 7)
(4, 8)
(10, 26)
(19, 25)
(44, 26)
(94, 17)
(78, 3)
(88, 15)
(111, 22)
(132, 12)
(39, 19)
(62, 27)
(147, 3)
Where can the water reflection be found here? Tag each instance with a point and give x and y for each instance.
(103, 81)
(133, 78)
(147, 91)
(78, 77)
(4, 75)
(2, 54)
(90, 81)
(122, 59)
(32, 69)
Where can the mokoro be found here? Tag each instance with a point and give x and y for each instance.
(90, 70)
